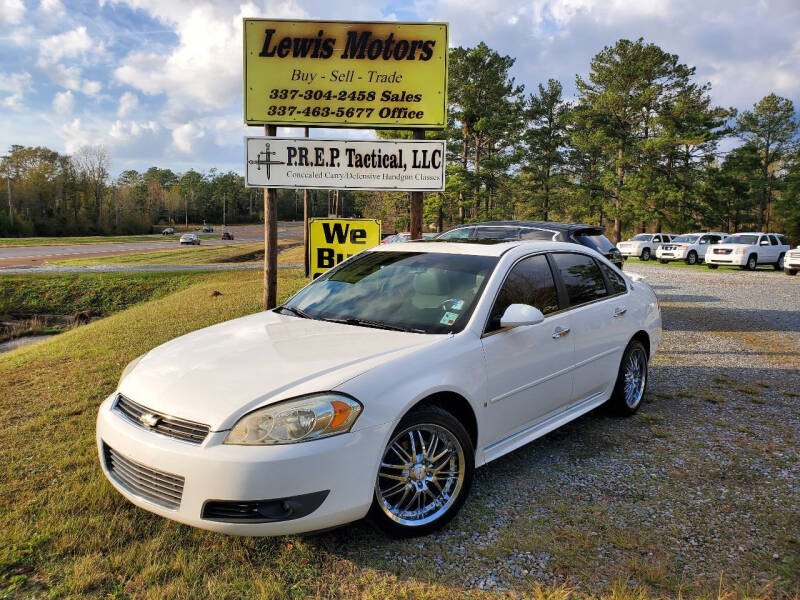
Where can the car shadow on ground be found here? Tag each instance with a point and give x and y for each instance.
(686, 479)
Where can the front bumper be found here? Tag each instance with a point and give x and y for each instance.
(731, 259)
(792, 260)
(345, 464)
(630, 251)
(677, 254)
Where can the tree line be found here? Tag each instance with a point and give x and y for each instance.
(637, 149)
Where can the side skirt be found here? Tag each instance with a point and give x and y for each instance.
(540, 428)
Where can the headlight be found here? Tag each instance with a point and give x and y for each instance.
(299, 420)
(739, 250)
(131, 366)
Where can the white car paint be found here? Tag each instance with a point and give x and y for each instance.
(218, 374)
(646, 241)
(791, 262)
(681, 250)
(766, 249)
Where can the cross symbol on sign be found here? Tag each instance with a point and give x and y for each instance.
(266, 161)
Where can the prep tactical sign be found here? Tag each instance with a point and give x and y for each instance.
(330, 241)
(339, 74)
(308, 163)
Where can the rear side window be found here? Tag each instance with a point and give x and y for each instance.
(615, 281)
(597, 242)
(456, 234)
(536, 234)
(581, 276)
(774, 240)
(783, 240)
(530, 281)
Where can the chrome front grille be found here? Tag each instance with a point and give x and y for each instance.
(181, 429)
(722, 250)
(164, 489)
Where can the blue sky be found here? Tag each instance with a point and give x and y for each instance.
(158, 82)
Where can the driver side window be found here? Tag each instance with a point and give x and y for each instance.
(530, 281)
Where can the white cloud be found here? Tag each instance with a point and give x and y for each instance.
(90, 88)
(75, 135)
(127, 104)
(185, 136)
(125, 130)
(16, 85)
(11, 11)
(52, 9)
(69, 44)
(64, 102)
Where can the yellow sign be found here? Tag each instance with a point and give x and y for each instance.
(338, 74)
(330, 241)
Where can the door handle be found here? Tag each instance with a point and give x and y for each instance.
(618, 312)
(560, 332)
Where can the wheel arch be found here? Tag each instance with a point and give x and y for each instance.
(643, 337)
(456, 405)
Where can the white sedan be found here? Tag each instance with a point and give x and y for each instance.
(378, 388)
(190, 238)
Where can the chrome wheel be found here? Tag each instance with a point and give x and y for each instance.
(635, 378)
(421, 475)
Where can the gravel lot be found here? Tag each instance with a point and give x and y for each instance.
(700, 489)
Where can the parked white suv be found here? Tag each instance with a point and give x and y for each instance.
(690, 247)
(748, 250)
(644, 245)
(791, 262)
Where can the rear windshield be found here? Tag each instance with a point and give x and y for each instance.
(742, 239)
(598, 242)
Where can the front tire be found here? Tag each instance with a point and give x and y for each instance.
(663, 261)
(691, 258)
(712, 266)
(631, 380)
(789, 271)
(752, 262)
(645, 254)
(425, 474)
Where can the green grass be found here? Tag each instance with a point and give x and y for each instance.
(185, 255)
(98, 293)
(679, 264)
(94, 239)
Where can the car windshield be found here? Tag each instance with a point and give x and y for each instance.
(642, 237)
(742, 239)
(688, 239)
(424, 292)
(597, 242)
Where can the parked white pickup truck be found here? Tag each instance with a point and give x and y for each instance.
(748, 250)
(791, 262)
(690, 247)
(643, 245)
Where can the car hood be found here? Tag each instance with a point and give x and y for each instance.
(216, 374)
(729, 246)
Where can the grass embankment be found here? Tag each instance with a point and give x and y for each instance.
(99, 294)
(185, 255)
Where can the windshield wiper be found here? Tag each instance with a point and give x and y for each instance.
(295, 311)
(374, 324)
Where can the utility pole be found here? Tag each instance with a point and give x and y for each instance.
(116, 211)
(305, 225)
(270, 239)
(416, 200)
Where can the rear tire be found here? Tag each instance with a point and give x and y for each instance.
(779, 265)
(426, 442)
(631, 380)
(691, 258)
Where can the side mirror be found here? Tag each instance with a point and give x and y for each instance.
(521, 314)
(765, 242)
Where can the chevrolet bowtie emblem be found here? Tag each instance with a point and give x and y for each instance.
(149, 419)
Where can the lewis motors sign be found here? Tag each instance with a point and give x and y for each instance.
(399, 165)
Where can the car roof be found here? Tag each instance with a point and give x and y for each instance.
(474, 249)
(552, 225)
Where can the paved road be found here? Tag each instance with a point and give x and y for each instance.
(19, 256)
